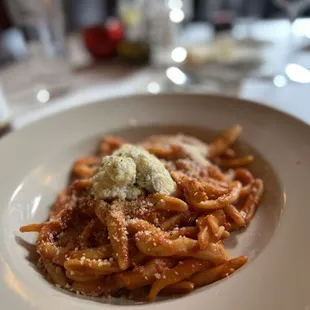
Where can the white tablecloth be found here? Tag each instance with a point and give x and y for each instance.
(293, 99)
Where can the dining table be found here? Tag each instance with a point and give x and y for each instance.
(92, 81)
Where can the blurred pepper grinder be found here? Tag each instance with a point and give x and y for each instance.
(5, 116)
(5, 113)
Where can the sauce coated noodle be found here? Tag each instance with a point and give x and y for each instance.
(156, 244)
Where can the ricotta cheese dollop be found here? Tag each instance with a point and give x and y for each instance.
(129, 171)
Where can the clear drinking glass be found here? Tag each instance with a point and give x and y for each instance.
(46, 71)
(165, 19)
(249, 12)
(292, 8)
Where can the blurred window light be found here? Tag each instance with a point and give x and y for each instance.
(297, 73)
(43, 95)
(179, 54)
(176, 75)
(175, 4)
(153, 88)
(176, 15)
(301, 28)
(279, 81)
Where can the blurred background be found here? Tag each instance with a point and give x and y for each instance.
(51, 49)
(80, 13)
(16, 31)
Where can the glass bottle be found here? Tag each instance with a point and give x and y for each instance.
(133, 15)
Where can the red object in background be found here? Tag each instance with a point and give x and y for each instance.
(102, 40)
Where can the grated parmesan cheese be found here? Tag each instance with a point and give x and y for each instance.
(195, 149)
(157, 275)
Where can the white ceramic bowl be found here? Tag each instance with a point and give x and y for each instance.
(36, 160)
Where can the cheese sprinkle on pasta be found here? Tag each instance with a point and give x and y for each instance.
(128, 172)
(165, 231)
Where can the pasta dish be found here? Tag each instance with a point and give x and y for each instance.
(148, 219)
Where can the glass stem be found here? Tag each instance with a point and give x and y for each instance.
(290, 41)
(250, 25)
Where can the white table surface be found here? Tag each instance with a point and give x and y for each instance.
(292, 99)
(98, 84)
